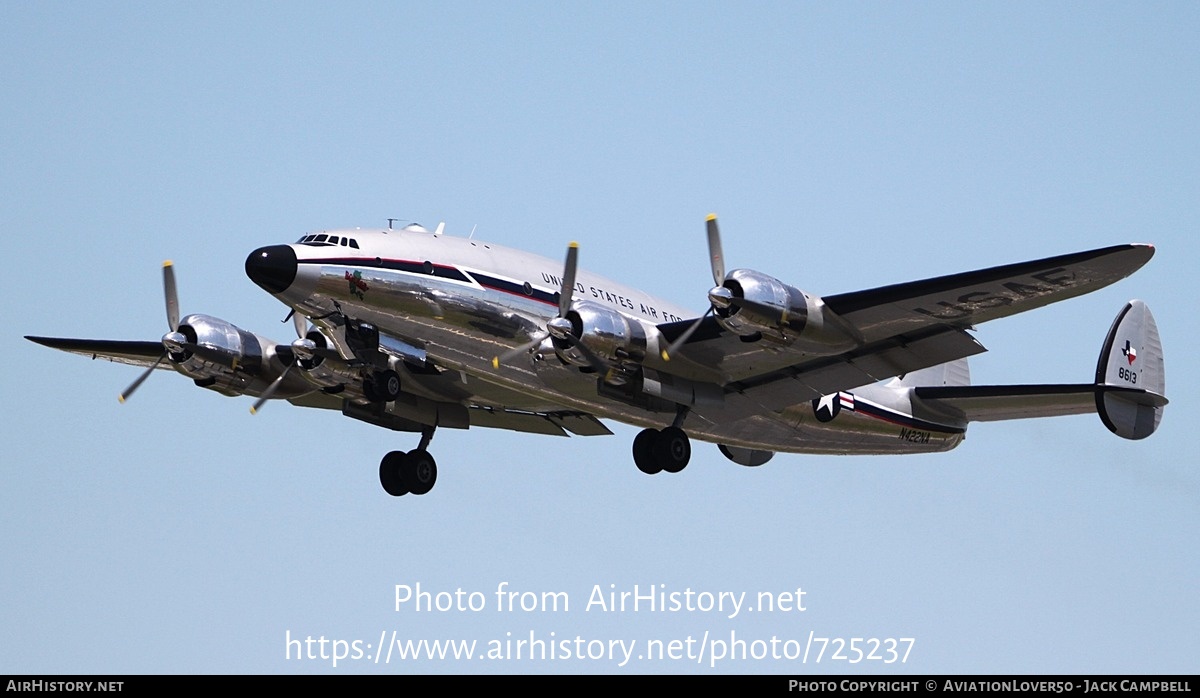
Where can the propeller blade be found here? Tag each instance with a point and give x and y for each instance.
(301, 324)
(568, 280)
(514, 353)
(715, 255)
(266, 395)
(141, 379)
(687, 334)
(170, 294)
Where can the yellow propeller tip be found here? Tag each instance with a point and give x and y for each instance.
(253, 411)
(573, 245)
(167, 263)
(711, 217)
(495, 362)
(121, 399)
(666, 357)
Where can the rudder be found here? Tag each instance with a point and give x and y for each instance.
(1130, 378)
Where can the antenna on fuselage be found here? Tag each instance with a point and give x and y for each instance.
(472, 231)
(393, 220)
(440, 229)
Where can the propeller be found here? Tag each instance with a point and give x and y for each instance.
(718, 297)
(302, 348)
(559, 327)
(560, 322)
(298, 321)
(173, 341)
(280, 352)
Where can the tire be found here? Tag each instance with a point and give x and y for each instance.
(672, 449)
(386, 385)
(390, 469)
(643, 452)
(419, 472)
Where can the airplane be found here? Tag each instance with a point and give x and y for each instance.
(417, 331)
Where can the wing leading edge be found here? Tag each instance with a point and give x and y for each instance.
(134, 353)
(969, 298)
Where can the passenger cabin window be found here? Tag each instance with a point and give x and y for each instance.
(354, 243)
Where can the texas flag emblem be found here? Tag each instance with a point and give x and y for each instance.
(1129, 352)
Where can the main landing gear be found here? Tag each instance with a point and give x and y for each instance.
(668, 450)
(416, 471)
(381, 386)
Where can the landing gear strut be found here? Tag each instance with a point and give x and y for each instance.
(416, 471)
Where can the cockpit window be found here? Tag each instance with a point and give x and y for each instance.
(326, 240)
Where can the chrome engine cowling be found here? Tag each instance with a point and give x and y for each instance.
(751, 303)
(608, 334)
(223, 357)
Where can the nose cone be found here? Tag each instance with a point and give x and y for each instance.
(273, 268)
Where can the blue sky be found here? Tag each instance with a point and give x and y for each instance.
(844, 147)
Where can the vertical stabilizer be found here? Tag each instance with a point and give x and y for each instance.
(1131, 358)
(951, 374)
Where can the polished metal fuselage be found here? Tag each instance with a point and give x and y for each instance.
(463, 302)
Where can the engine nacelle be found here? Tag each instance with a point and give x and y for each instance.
(223, 357)
(751, 303)
(607, 333)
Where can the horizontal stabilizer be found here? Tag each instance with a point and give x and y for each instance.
(992, 403)
(1128, 393)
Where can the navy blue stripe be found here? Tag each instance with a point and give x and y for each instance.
(515, 288)
(439, 270)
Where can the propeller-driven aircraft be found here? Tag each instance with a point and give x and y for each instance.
(415, 331)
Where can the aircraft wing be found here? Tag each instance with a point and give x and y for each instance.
(899, 328)
(134, 353)
(967, 299)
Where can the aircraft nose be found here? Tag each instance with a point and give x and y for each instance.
(273, 268)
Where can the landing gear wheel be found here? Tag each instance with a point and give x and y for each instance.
(672, 449)
(390, 469)
(419, 472)
(387, 385)
(643, 452)
(368, 389)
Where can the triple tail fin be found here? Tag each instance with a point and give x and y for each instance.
(1129, 392)
(1130, 377)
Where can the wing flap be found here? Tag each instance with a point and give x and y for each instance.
(529, 422)
(881, 360)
